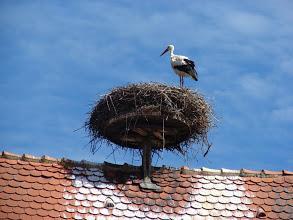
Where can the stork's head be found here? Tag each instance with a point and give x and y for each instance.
(169, 48)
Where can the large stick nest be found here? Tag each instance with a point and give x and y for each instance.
(154, 114)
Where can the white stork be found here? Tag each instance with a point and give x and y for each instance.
(181, 65)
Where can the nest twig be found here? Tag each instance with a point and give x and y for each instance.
(180, 104)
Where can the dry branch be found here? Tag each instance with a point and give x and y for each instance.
(171, 118)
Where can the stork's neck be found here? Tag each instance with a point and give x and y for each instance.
(171, 52)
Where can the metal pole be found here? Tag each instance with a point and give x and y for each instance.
(147, 160)
(147, 167)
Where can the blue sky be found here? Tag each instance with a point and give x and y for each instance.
(58, 57)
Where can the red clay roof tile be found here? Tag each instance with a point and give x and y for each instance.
(266, 188)
(11, 162)
(29, 167)
(39, 199)
(169, 189)
(16, 197)
(18, 210)
(274, 195)
(24, 216)
(45, 194)
(138, 201)
(33, 192)
(269, 202)
(39, 180)
(37, 186)
(25, 185)
(42, 212)
(12, 215)
(49, 190)
(5, 166)
(289, 179)
(30, 211)
(278, 189)
(39, 168)
(258, 201)
(284, 215)
(35, 205)
(277, 208)
(11, 183)
(266, 208)
(9, 190)
(281, 202)
(21, 191)
(285, 195)
(6, 209)
(254, 188)
(176, 197)
(262, 195)
(6, 176)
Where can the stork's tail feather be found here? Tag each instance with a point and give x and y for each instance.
(194, 75)
(195, 78)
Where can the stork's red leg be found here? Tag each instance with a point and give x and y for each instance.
(182, 81)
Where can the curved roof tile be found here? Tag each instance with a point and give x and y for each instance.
(49, 188)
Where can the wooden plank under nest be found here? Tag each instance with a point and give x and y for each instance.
(136, 128)
(141, 131)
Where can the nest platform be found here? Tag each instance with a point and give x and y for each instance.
(165, 117)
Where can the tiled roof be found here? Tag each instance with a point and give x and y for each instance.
(46, 188)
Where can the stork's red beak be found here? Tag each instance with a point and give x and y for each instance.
(165, 51)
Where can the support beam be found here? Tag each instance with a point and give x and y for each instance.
(147, 160)
(147, 168)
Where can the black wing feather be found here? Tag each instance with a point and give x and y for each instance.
(189, 68)
(190, 62)
(184, 68)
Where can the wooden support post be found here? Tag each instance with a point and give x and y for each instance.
(147, 160)
(147, 167)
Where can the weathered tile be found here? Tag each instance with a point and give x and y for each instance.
(51, 191)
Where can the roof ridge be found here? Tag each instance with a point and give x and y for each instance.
(29, 157)
(183, 170)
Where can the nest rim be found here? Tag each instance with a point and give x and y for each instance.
(107, 119)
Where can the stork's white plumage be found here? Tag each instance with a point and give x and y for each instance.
(181, 65)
